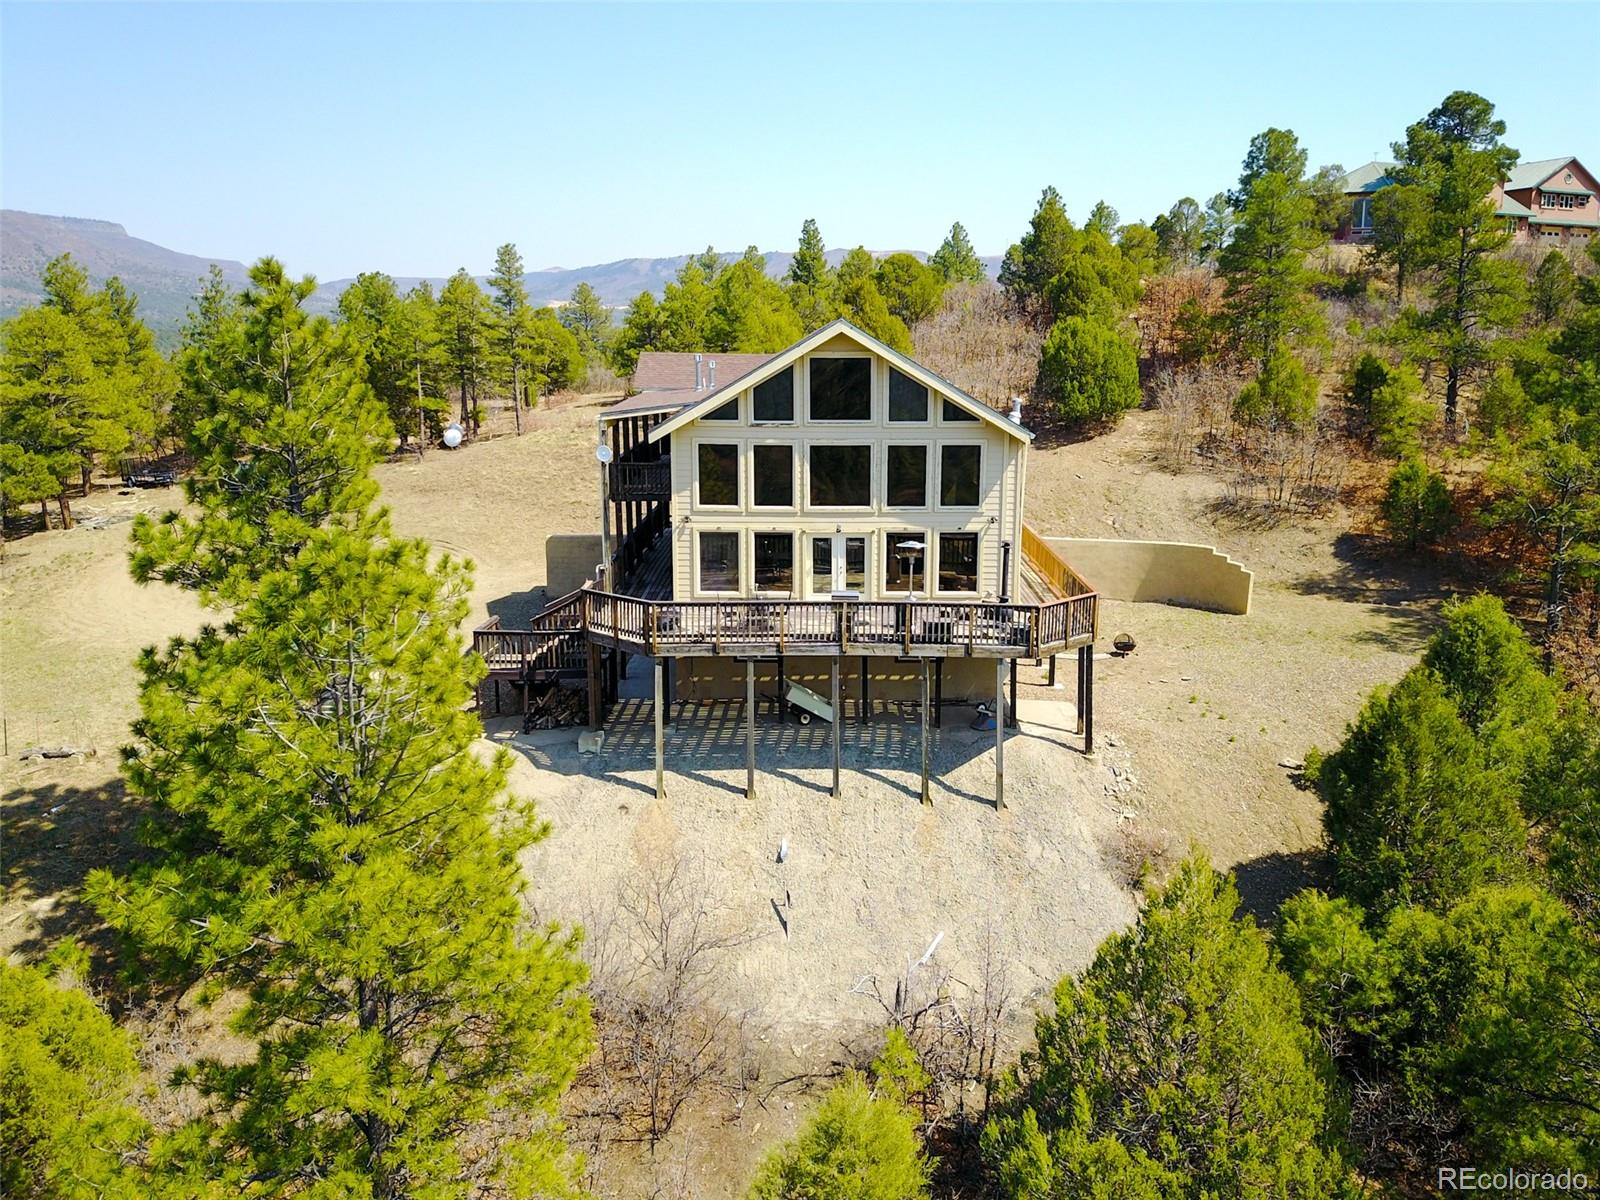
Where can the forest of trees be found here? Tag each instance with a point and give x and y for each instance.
(325, 852)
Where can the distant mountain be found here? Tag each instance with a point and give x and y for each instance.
(165, 280)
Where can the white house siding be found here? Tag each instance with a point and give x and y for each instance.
(1000, 491)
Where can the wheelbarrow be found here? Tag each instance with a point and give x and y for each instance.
(804, 703)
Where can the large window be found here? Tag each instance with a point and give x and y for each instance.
(958, 562)
(907, 485)
(772, 469)
(908, 399)
(774, 399)
(841, 476)
(719, 562)
(774, 562)
(724, 412)
(718, 472)
(958, 475)
(841, 389)
(954, 412)
(1362, 221)
(905, 560)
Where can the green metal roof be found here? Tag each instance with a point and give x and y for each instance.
(1532, 174)
(1369, 178)
(1564, 221)
(1512, 208)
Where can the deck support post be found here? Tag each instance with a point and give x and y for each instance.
(672, 685)
(661, 792)
(927, 796)
(837, 721)
(595, 699)
(497, 697)
(865, 714)
(1052, 670)
(1000, 732)
(750, 729)
(1082, 674)
(1088, 717)
(938, 693)
(1012, 718)
(783, 701)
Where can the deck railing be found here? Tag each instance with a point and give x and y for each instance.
(1051, 567)
(641, 480)
(557, 638)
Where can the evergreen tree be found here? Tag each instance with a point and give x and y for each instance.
(1140, 248)
(1040, 256)
(330, 845)
(1456, 157)
(589, 320)
(465, 318)
(1272, 152)
(641, 330)
(910, 288)
(391, 334)
(860, 301)
(1382, 405)
(1402, 216)
(1415, 814)
(956, 260)
(1217, 230)
(1103, 220)
(856, 1146)
(810, 282)
(1176, 1066)
(66, 1074)
(750, 311)
(1283, 395)
(510, 308)
(271, 461)
(550, 355)
(1088, 371)
(1416, 503)
(1554, 287)
(205, 366)
(683, 320)
(1180, 233)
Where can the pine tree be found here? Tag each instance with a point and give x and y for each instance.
(66, 1074)
(1456, 157)
(330, 845)
(1176, 1066)
(206, 365)
(590, 321)
(1180, 232)
(956, 260)
(380, 326)
(1040, 256)
(641, 330)
(750, 311)
(1554, 287)
(864, 305)
(271, 460)
(464, 326)
(1103, 219)
(810, 282)
(510, 299)
(1271, 152)
(856, 1146)
(911, 289)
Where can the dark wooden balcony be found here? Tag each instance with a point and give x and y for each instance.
(641, 480)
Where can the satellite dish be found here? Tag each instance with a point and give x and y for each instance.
(452, 436)
(603, 453)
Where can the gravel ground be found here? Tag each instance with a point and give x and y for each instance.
(870, 879)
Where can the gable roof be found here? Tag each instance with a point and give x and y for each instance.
(1510, 207)
(1369, 178)
(1527, 175)
(714, 399)
(670, 370)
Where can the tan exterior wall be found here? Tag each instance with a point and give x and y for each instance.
(569, 561)
(965, 679)
(1163, 572)
(996, 519)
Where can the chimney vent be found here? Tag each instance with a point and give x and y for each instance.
(699, 377)
(1016, 410)
(711, 374)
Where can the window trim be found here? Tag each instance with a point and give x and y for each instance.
(872, 389)
(890, 371)
(872, 469)
(738, 475)
(926, 536)
(794, 476)
(938, 478)
(794, 564)
(927, 471)
(977, 560)
(738, 543)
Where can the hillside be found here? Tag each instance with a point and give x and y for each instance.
(164, 280)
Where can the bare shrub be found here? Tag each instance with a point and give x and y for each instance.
(981, 344)
(957, 1027)
(1284, 467)
(664, 1029)
(1196, 406)
(1168, 310)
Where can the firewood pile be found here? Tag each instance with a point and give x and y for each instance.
(551, 706)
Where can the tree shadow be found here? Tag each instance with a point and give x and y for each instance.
(1264, 883)
(516, 609)
(1403, 588)
(56, 832)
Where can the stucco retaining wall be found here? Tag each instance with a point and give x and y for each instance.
(1183, 573)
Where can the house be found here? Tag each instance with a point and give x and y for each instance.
(1552, 201)
(835, 515)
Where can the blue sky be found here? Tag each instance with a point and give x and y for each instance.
(415, 138)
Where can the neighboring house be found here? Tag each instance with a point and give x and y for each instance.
(834, 514)
(1551, 201)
